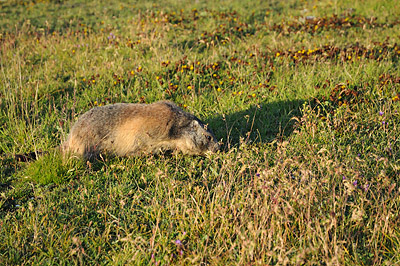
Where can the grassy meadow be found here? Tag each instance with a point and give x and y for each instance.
(304, 96)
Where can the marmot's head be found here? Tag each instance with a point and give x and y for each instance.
(199, 139)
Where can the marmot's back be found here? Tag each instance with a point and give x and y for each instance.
(131, 129)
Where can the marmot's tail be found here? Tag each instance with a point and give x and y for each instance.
(30, 156)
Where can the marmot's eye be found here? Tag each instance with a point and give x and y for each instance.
(208, 137)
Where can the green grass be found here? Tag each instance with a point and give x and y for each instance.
(52, 168)
(304, 96)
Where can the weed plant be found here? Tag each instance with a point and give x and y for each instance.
(304, 96)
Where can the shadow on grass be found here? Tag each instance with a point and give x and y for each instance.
(12, 192)
(262, 123)
(8, 166)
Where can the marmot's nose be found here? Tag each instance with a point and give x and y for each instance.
(216, 147)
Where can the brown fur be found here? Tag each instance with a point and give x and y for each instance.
(132, 129)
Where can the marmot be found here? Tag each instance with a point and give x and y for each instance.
(126, 129)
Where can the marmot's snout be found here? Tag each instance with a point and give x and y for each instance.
(215, 147)
(203, 138)
(213, 144)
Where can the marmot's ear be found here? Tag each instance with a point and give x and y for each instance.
(194, 124)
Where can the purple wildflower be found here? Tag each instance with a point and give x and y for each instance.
(111, 36)
(355, 183)
(178, 242)
(381, 113)
(258, 175)
(366, 187)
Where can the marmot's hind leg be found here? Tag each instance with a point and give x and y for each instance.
(73, 146)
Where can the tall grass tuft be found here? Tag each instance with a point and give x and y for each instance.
(52, 168)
